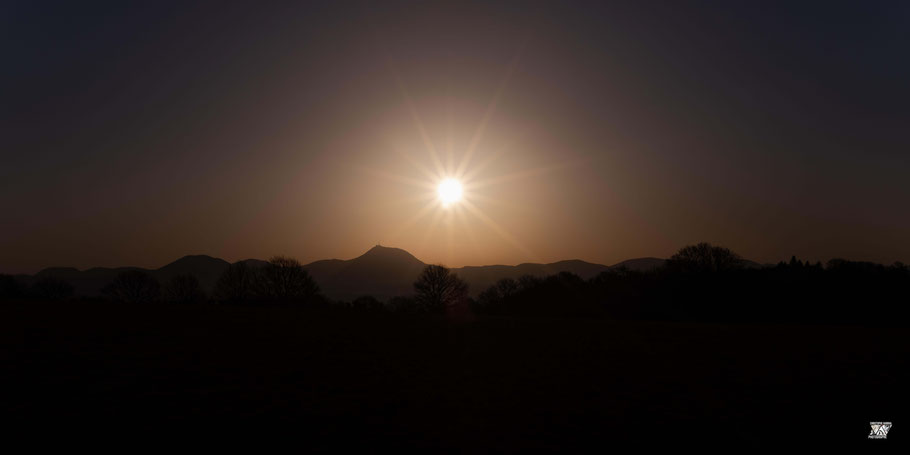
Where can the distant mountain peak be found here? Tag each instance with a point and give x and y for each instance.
(56, 270)
(380, 251)
(640, 264)
(253, 262)
(572, 261)
(382, 272)
(195, 257)
(379, 248)
(191, 261)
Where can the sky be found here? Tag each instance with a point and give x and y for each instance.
(134, 134)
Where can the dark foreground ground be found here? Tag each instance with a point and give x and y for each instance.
(341, 380)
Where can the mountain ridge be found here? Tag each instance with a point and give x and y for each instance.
(382, 272)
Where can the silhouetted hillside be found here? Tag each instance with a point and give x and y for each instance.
(85, 282)
(640, 264)
(254, 263)
(648, 264)
(385, 272)
(326, 269)
(381, 272)
(90, 282)
(205, 268)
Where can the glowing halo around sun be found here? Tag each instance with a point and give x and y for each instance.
(454, 193)
(449, 191)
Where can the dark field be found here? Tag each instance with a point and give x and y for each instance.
(342, 379)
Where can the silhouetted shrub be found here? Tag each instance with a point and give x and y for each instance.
(367, 303)
(708, 284)
(133, 286)
(528, 282)
(50, 288)
(183, 289)
(236, 284)
(438, 288)
(11, 287)
(285, 280)
(622, 292)
(491, 300)
(401, 304)
(704, 257)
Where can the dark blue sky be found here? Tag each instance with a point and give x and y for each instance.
(135, 134)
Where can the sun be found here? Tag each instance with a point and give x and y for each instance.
(449, 191)
(454, 190)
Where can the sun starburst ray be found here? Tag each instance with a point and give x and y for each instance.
(421, 129)
(421, 197)
(527, 173)
(437, 215)
(504, 234)
(422, 212)
(430, 175)
(468, 229)
(491, 109)
(398, 178)
(491, 158)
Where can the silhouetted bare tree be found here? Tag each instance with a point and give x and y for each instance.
(236, 284)
(437, 288)
(133, 286)
(285, 279)
(183, 289)
(704, 257)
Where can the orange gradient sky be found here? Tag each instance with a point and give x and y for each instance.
(136, 135)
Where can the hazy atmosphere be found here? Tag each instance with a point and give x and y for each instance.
(134, 134)
(455, 227)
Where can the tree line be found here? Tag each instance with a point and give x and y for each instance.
(709, 283)
(700, 282)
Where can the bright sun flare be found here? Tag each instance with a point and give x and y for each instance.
(460, 194)
(449, 191)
